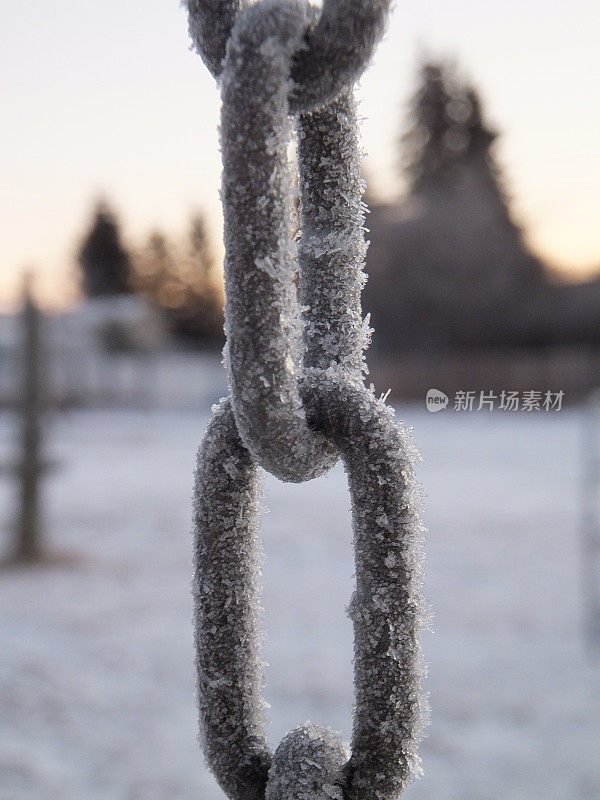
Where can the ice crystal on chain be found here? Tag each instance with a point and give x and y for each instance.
(295, 358)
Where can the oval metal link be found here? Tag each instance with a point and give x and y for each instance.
(335, 50)
(263, 323)
(295, 361)
(210, 23)
(385, 609)
(226, 602)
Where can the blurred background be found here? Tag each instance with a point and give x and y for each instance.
(483, 174)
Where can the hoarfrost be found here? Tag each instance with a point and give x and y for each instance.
(295, 360)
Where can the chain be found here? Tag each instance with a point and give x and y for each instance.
(333, 54)
(295, 362)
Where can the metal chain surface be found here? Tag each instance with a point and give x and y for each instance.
(295, 361)
(332, 56)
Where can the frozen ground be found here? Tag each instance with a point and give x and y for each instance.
(96, 662)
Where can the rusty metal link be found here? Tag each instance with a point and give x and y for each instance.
(295, 361)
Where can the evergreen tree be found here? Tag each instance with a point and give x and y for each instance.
(199, 251)
(105, 264)
(446, 132)
(202, 316)
(179, 282)
(423, 143)
(158, 276)
(463, 275)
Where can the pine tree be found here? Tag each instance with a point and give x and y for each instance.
(199, 251)
(104, 262)
(463, 275)
(423, 144)
(447, 132)
(178, 280)
(158, 274)
(201, 318)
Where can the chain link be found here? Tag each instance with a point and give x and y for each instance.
(295, 362)
(332, 55)
(262, 314)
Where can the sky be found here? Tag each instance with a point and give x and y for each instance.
(107, 99)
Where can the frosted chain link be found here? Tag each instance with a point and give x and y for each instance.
(333, 54)
(295, 362)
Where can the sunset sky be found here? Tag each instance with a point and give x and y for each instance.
(107, 99)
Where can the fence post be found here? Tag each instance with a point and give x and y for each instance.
(590, 524)
(29, 466)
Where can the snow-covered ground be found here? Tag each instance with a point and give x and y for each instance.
(96, 659)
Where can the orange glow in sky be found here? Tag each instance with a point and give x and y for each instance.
(106, 98)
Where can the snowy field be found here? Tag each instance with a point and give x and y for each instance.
(96, 660)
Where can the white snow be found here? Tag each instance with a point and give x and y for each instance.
(96, 657)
